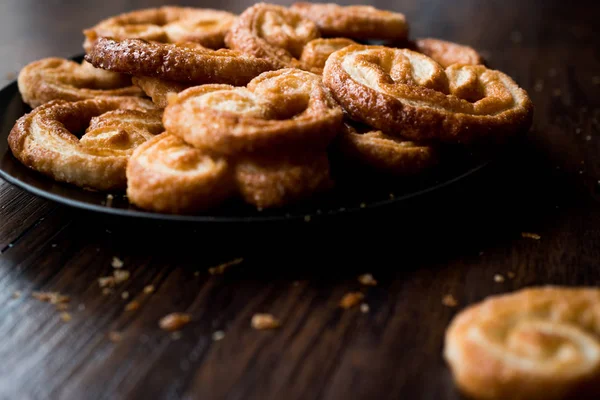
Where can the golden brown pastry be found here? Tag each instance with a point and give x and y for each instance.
(354, 22)
(407, 94)
(60, 79)
(181, 63)
(167, 24)
(448, 53)
(535, 344)
(317, 51)
(157, 89)
(384, 153)
(44, 141)
(272, 32)
(286, 109)
(280, 181)
(167, 175)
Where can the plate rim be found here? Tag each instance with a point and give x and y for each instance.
(141, 214)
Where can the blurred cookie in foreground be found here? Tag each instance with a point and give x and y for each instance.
(537, 343)
(60, 79)
(183, 63)
(167, 24)
(355, 22)
(364, 146)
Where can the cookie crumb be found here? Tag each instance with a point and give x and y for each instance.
(125, 295)
(449, 301)
(10, 76)
(220, 269)
(218, 335)
(149, 289)
(529, 235)
(115, 336)
(174, 321)
(307, 218)
(588, 137)
(121, 275)
(106, 281)
(264, 321)
(552, 72)
(363, 205)
(66, 317)
(109, 200)
(116, 262)
(62, 307)
(132, 306)
(176, 335)
(106, 291)
(511, 275)
(51, 297)
(539, 86)
(351, 299)
(392, 196)
(364, 308)
(367, 280)
(498, 278)
(16, 294)
(556, 92)
(81, 307)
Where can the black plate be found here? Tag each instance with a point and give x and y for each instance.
(356, 191)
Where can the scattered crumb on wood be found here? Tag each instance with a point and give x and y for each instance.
(62, 306)
(176, 335)
(539, 86)
(449, 301)
(264, 321)
(174, 321)
(529, 235)
(106, 281)
(121, 275)
(132, 306)
(498, 278)
(106, 291)
(51, 297)
(115, 336)
(116, 262)
(109, 200)
(81, 307)
(364, 308)
(65, 316)
(220, 269)
(125, 295)
(16, 294)
(351, 299)
(511, 275)
(149, 289)
(367, 280)
(218, 335)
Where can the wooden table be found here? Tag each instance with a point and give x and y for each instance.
(465, 241)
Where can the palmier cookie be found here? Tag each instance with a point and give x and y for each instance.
(272, 32)
(44, 141)
(284, 109)
(268, 182)
(407, 94)
(175, 62)
(537, 343)
(354, 22)
(448, 53)
(317, 51)
(384, 153)
(157, 89)
(60, 79)
(167, 25)
(165, 174)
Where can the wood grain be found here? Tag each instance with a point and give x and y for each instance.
(451, 242)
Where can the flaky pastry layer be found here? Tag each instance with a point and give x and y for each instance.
(407, 94)
(175, 62)
(60, 79)
(44, 139)
(167, 24)
(537, 343)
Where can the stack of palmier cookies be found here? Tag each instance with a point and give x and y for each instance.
(184, 108)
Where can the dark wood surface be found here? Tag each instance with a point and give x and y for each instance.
(451, 242)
